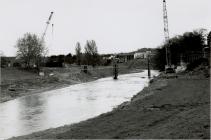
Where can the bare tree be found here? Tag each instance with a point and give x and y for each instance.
(78, 53)
(31, 50)
(91, 53)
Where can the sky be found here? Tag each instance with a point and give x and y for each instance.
(115, 25)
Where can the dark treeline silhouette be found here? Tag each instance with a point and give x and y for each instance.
(56, 61)
(89, 57)
(186, 46)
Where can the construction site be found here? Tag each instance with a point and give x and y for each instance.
(145, 93)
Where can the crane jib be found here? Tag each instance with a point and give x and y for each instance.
(50, 16)
(48, 22)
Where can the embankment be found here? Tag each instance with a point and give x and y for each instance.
(16, 83)
(168, 108)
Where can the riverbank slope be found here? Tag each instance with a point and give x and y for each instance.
(17, 82)
(168, 108)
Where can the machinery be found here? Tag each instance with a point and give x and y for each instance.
(41, 73)
(46, 28)
(168, 66)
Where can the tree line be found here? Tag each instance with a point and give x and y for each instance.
(90, 56)
(31, 52)
(182, 47)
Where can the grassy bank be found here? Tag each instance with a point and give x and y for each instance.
(16, 83)
(168, 108)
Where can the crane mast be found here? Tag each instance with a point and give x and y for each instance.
(166, 34)
(46, 28)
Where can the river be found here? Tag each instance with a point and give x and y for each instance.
(68, 105)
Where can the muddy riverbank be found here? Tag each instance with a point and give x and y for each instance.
(168, 108)
(16, 83)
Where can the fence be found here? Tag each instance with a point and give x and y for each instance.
(191, 57)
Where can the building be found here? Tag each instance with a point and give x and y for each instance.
(140, 55)
(124, 57)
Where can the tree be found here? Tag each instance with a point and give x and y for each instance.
(91, 53)
(68, 58)
(78, 53)
(31, 50)
(182, 45)
(209, 39)
(61, 58)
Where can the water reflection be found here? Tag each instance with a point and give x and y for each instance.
(68, 105)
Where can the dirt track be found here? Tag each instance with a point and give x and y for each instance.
(169, 108)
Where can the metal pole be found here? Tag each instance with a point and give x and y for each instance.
(115, 69)
(148, 60)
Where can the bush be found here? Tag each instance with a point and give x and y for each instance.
(54, 64)
(193, 65)
(16, 64)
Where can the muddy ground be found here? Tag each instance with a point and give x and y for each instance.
(16, 82)
(169, 108)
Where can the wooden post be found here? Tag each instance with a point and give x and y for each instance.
(115, 70)
(85, 68)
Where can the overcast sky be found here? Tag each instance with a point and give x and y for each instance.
(115, 25)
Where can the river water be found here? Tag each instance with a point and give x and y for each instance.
(68, 105)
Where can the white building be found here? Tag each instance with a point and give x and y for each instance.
(140, 55)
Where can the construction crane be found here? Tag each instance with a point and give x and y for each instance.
(43, 35)
(47, 24)
(166, 34)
